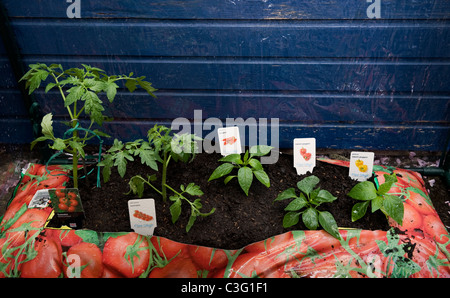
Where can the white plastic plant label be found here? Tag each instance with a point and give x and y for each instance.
(230, 141)
(361, 165)
(40, 199)
(142, 216)
(304, 155)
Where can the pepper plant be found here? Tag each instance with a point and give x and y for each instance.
(80, 90)
(247, 168)
(311, 197)
(378, 199)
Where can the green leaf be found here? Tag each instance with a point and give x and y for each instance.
(121, 162)
(235, 158)
(297, 204)
(148, 157)
(49, 87)
(245, 178)
(262, 177)
(107, 163)
(194, 190)
(78, 147)
(386, 186)
(58, 144)
(40, 139)
(228, 179)
(328, 222)
(191, 221)
(255, 164)
(131, 85)
(136, 184)
(46, 124)
(175, 209)
(311, 218)
(394, 208)
(221, 171)
(245, 158)
(147, 87)
(363, 191)
(307, 184)
(260, 150)
(324, 196)
(290, 219)
(111, 90)
(95, 85)
(377, 203)
(75, 94)
(93, 106)
(287, 194)
(359, 210)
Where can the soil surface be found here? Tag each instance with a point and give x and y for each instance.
(239, 219)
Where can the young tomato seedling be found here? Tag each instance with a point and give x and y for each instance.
(247, 168)
(137, 187)
(160, 147)
(379, 199)
(309, 200)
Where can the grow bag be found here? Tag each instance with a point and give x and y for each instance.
(418, 248)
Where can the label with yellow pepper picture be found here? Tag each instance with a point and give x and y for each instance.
(361, 165)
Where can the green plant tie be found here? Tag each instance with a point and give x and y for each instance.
(69, 132)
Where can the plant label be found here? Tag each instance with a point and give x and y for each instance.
(40, 199)
(230, 140)
(304, 155)
(142, 216)
(361, 165)
(67, 208)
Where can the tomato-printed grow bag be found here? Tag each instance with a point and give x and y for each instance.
(419, 248)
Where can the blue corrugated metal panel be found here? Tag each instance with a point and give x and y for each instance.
(322, 67)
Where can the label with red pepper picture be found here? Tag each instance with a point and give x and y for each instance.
(230, 141)
(304, 155)
(142, 216)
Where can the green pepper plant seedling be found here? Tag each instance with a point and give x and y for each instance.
(309, 200)
(247, 168)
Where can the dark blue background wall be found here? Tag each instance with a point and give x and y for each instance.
(324, 68)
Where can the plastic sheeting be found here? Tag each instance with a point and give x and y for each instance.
(419, 248)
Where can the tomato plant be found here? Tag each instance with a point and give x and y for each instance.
(160, 147)
(310, 198)
(79, 89)
(247, 168)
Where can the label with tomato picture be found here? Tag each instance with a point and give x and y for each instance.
(230, 140)
(361, 165)
(66, 204)
(142, 216)
(304, 155)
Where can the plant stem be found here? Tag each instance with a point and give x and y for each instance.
(151, 185)
(164, 176)
(75, 158)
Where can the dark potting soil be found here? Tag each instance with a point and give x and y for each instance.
(238, 220)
